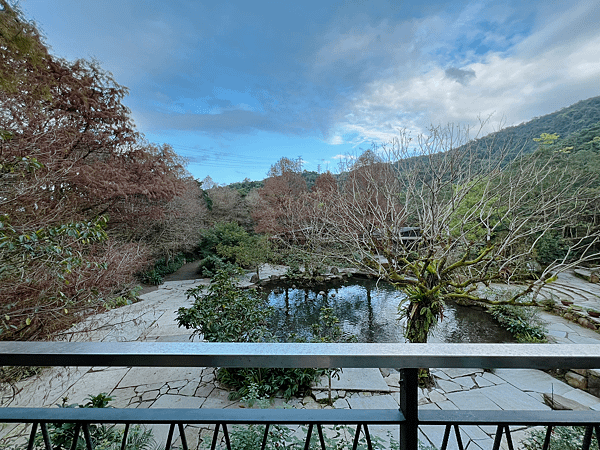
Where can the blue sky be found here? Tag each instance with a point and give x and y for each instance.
(235, 85)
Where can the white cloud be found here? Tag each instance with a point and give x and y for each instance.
(513, 86)
(335, 140)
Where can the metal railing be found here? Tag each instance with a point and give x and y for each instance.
(407, 358)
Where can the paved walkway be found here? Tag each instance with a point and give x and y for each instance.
(153, 319)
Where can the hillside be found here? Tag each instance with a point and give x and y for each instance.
(584, 114)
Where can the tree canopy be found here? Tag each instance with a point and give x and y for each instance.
(79, 186)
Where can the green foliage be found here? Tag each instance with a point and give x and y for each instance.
(339, 437)
(226, 244)
(212, 264)
(421, 308)
(57, 246)
(244, 187)
(328, 328)
(57, 254)
(523, 322)
(550, 248)
(126, 298)
(226, 313)
(478, 213)
(104, 437)
(562, 438)
(161, 268)
(249, 252)
(13, 374)
(226, 234)
(565, 122)
(270, 381)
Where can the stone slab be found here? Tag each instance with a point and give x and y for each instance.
(481, 444)
(94, 383)
(138, 376)
(493, 378)
(373, 402)
(447, 405)
(558, 402)
(579, 339)
(582, 397)
(48, 388)
(365, 380)
(456, 372)
(173, 338)
(474, 433)
(483, 382)
(509, 397)
(449, 386)
(435, 435)
(533, 380)
(465, 382)
(436, 396)
(218, 399)
(178, 401)
(474, 399)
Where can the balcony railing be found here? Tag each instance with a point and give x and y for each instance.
(405, 357)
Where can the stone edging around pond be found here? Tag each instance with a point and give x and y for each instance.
(302, 277)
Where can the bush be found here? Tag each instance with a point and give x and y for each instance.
(227, 244)
(338, 437)
(522, 322)
(209, 266)
(229, 314)
(562, 438)
(103, 437)
(549, 248)
(226, 313)
(161, 268)
(227, 234)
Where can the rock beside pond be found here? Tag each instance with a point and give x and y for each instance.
(558, 402)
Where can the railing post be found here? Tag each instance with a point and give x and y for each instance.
(409, 405)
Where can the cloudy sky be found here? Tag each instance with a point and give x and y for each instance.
(235, 85)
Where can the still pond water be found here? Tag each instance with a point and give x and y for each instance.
(368, 310)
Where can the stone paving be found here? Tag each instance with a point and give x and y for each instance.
(153, 319)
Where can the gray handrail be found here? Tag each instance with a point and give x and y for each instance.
(169, 354)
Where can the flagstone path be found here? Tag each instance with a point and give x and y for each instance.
(153, 320)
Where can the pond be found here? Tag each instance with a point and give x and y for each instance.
(368, 309)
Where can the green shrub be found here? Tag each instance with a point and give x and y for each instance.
(209, 266)
(104, 437)
(522, 322)
(227, 313)
(227, 244)
(339, 437)
(126, 298)
(562, 438)
(270, 381)
(549, 248)
(228, 234)
(161, 268)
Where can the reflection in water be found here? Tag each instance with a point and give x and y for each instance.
(368, 309)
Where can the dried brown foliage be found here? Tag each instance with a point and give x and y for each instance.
(79, 187)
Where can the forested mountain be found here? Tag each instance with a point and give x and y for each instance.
(584, 114)
(587, 139)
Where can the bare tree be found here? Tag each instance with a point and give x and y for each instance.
(441, 216)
